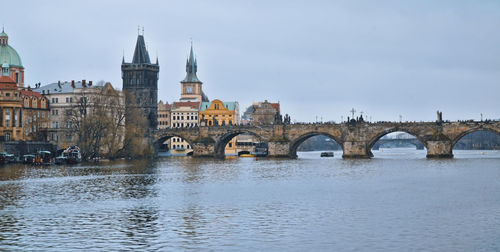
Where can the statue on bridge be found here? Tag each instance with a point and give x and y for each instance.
(278, 119)
(439, 117)
(287, 119)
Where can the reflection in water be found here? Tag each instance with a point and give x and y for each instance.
(396, 201)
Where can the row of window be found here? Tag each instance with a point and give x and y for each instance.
(164, 123)
(162, 115)
(180, 147)
(34, 103)
(182, 117)
(56, 99)
(68, 125)
(182, 113)
(184, 125)
(178, 140)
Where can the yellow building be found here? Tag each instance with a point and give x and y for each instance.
(220, 113)
(10, 110)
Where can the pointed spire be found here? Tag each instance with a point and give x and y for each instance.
(191, 67)
(141, 54)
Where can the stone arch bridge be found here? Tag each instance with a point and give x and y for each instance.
(356, 139)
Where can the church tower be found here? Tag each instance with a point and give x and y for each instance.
(140, 81)
(10, 58)
(191, 86)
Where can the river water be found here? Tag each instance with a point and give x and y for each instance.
(397, 201)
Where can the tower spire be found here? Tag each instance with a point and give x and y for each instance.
(191, 67)
(141, 54)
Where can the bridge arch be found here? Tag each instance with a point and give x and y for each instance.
(381, 134)
(294, 144)
(224, 139)
(472, 130)
(164, 138)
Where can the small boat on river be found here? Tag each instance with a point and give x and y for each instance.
(327, 154)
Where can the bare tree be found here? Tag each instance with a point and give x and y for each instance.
(97, 120)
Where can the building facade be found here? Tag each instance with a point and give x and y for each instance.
(140, 83)
(183, 115)
(35, 115)
(11, 127)
(164, 115)
(216, 113)
(10, 59)
(264, 113)
(164, 122)
(64, 98)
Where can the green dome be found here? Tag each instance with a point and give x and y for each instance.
(9, 55)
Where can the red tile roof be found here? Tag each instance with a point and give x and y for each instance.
(30, 93)
(7, 83)
(194, 105)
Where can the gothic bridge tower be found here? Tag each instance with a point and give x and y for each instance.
(140, 81)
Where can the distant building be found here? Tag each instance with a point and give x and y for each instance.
(221, 113)
(191, 86)
(183, 115)
(64, 97)
(10, 59)
(140, 79)
(264, 113)
(261, 113)
(164, 115)
(164, 122)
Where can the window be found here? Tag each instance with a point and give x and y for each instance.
(7, 117)
(7, 136)
(69, 112)
(7, 94)
(189, 90)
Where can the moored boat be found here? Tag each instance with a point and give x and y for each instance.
(43, 158)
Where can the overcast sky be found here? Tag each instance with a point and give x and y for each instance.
(317, 58)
